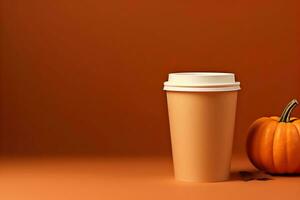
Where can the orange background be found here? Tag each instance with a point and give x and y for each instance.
(85, 77)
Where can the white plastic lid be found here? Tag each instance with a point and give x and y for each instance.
(201, 82)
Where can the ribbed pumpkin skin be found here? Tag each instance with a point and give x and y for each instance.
(274, 146)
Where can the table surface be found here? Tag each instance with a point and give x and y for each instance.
(127, 178)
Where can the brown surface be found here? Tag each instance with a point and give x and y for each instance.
(86, 76)
(126, 178)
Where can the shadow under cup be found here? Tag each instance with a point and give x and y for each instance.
(202, 109)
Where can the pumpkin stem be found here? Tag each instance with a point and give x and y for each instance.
(286, 114)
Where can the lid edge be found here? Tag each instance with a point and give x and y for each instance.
(201, 89)
(167, 83)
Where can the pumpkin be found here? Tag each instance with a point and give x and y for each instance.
(273, 143)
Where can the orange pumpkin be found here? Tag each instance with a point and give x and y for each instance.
(273, 143)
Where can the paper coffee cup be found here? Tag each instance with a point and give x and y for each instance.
(202, 107)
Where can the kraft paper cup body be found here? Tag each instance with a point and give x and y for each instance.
(202, 109)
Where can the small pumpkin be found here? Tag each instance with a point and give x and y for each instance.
(273, 143)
